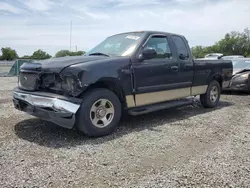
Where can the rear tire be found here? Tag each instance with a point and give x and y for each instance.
(212, 96)
(99, 114)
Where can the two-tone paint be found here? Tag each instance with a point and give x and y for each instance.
(137, 82)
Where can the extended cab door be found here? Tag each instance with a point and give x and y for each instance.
(185, 60)
(159, 79)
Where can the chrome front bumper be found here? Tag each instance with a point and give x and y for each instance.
(55, 108)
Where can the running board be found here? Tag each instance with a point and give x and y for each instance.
(160, 106)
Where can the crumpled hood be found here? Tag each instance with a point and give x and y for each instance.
(58, 64)
(237, 70)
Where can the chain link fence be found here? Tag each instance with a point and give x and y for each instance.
(11, 68)
(5, 67)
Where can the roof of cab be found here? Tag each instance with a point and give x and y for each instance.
(149, 32)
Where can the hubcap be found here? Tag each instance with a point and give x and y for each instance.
(214, 93)
(102, 113)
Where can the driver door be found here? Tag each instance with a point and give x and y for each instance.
(157, 79)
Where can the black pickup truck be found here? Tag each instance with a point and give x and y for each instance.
(134, 72)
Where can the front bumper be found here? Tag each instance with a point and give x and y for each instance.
(51, 107)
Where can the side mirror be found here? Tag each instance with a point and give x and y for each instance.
(183, 57)
(147, 53)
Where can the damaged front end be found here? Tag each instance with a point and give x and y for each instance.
(63, 83)
(52, 107)
(48, 95)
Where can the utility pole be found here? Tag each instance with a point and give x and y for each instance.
(76, 48)
(70, 35)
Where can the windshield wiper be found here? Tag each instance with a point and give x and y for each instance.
(99, 53)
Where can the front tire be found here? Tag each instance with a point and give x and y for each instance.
(99, 114)
(212, 96)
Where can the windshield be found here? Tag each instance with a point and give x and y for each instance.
(118, 45)
(241, 64)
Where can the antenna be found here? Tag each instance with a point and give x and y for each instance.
(70, 35)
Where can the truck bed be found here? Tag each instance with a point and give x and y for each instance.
(205, 70)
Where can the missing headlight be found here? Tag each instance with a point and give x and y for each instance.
(69, 83)
(48, 80)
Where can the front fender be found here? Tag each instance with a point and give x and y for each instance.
(110, 71)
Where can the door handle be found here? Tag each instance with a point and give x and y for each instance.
(174, 68)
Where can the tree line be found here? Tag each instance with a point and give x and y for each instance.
(11, 54)
(233, 43)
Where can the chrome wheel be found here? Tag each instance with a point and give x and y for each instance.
(102, 113)
(214, 93)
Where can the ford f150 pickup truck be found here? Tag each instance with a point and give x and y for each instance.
(134, 73)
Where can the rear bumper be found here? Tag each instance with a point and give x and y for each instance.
(51, 107)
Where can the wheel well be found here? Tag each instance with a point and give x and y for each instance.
(218, 78)
(111, 86)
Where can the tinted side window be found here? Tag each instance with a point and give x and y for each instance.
(180, 45)
(161, 46)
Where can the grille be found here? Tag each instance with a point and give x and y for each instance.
(28, 81)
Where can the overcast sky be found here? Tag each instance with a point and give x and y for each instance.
(27, 25)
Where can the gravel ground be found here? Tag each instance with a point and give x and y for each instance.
(180, 147)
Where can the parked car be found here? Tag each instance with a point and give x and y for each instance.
(213, 56)
(134, 72)
(231, 57)
(220, 56)
(241, 79)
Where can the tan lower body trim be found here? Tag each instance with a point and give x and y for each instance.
(197, 90)
(161, 96)
(130, 101)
